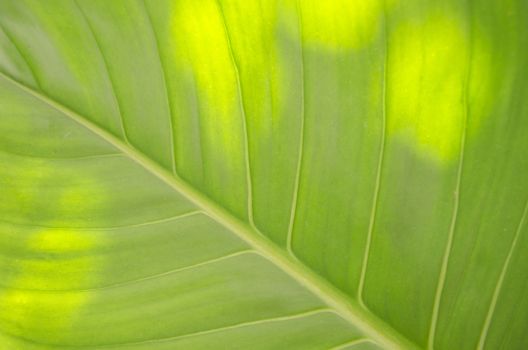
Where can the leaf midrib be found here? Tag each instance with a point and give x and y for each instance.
(347, 308)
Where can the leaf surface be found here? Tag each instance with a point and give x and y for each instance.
(263, 174)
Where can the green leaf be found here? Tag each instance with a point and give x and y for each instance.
(263, 174)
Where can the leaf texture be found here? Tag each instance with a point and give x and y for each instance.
(263, 174)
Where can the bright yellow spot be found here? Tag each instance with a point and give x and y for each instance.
(205, 64)
(62, 240)
(202, 45)
(38, 315)
(50, 266)
(253, 32)
(203, 58)
(60, 260)
(427, 79)
(70, 265)
(341, 23)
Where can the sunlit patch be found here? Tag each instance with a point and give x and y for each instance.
(427, 77)
(62, 260)
(38, 305)
(202, 45)
(39, 315)
(203, 60)
(252, 29)
(49, 266)
(43, 301)
(62, 240)
(340, 23)
(205, 49)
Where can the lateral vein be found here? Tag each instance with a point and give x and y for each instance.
(295, 196)
(101, 228)
(500, 281)
(167, 96)
(107, 70)
(377, 185)
(244, 118)
(26, 61)
(141, 279)
(220, 329)
(450, 237)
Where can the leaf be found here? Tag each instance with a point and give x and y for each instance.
(263, 174)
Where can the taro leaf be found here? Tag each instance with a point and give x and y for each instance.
(263, 174)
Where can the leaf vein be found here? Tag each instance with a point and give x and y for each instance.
(167, 95)
(107, 71)
(141, 279)
(30, 67)
(90, 156)
(295, 196)
(101, 228)
(500, 281)
(377, 185)
(450, 237)
(244, 117)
